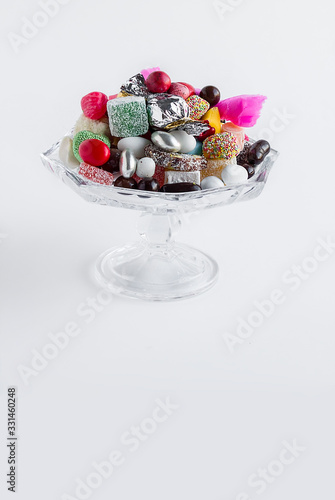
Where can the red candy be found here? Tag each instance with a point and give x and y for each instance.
(94, 152)
(96, 174)
(114, 96)
(190, 88)
(179, 89)
(94, 105)
(206, 134)
(158, 82)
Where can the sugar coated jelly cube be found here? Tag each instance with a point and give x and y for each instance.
(128, 116)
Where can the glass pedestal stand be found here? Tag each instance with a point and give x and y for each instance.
(156, 268)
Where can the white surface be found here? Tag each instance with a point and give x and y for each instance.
(235, 409)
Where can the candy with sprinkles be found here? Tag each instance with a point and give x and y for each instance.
(85, 135)
(95, 174)
(151, 134)
(221, 146)
(128, 116)
(198, 107)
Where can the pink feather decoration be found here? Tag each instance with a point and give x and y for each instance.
(148, 71)
(242, 110)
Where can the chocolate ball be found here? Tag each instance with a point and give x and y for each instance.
(112, 165)
(148, 185)
(122, 182)
(257, 152)
(211, 94)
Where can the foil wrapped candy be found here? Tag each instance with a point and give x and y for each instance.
(164, 109)
(136, 86)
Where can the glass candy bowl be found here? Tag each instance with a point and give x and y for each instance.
(155, 267)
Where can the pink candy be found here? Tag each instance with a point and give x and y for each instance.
(242, 110)
(94, 105)
(148, 71)
(96, 174)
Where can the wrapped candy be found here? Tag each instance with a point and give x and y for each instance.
(135, 86)
(191, 127)
(164, 109)
(175, 161)
(243, 110)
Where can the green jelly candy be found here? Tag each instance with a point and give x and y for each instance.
(83, 136)
(128, 116)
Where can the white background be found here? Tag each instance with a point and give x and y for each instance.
(235, 409)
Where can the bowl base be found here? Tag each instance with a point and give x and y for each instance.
(156, 273)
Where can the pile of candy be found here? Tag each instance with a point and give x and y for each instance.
(155, 135)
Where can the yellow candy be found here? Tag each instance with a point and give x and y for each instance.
(122, 94)
(213, 117)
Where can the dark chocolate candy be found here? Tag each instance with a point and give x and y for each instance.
(211, 94)
(180, 187)
(148, 185)
(122, 182)
(250, 169)
(257, 152)
(112, 165)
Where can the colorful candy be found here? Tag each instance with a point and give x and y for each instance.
(175, 161)
(94, 152)
(128, 116)
(243, 110)
(83, 136)
(213, 118)
(158, 82)
(179, 89)
(198, 107)
(95, 174)
(237, 131)
(94, 105)
(191, 89)
(221, 146)
(157, 133)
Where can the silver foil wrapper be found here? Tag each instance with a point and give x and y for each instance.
(136, 86)
(164, 109)
(195, 128)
